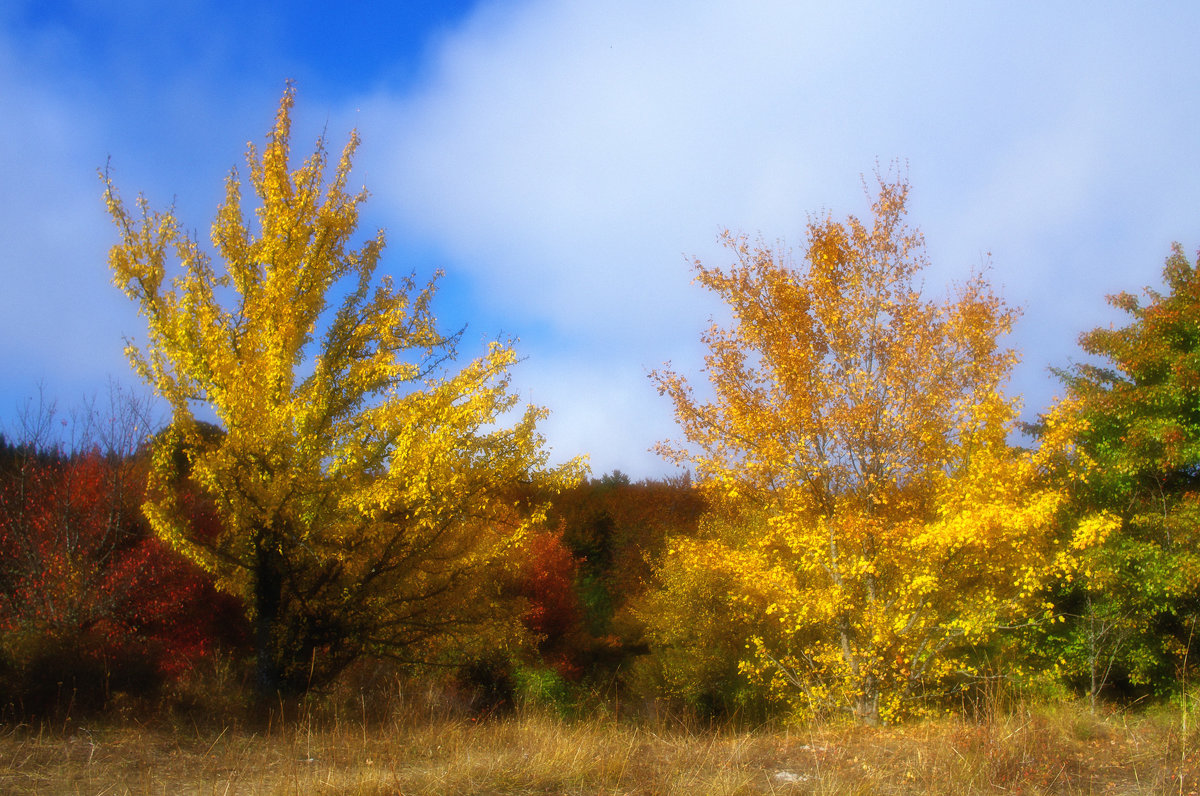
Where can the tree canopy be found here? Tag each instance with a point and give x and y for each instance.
(362, 485)
(1135, 405)
(860, 432)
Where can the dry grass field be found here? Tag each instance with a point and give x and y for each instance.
(1062, 749)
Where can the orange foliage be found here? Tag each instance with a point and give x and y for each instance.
(868, 426)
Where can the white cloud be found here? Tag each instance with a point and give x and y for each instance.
(563, 160)
(611, 424)
(568, 155)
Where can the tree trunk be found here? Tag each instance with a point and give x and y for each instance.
(868, 702)
(268, 599)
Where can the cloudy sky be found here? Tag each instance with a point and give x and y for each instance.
(564, 160)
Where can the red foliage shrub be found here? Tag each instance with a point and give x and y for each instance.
(548, 583)
(90, 600)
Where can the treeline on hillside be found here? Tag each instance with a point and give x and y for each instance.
(625, 590)
(94, 606)
(702, 595)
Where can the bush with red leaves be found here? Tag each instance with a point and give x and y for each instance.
(90, 601)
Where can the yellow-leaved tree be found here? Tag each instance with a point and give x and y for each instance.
(866, 429)
(363, 488)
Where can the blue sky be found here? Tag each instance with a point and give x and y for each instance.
(563, 160)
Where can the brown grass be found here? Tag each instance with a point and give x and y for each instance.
(1053, 750)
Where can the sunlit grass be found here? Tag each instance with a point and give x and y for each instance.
(1053, 749)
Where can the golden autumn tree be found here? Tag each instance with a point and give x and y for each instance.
(865, 429)
(362, 486)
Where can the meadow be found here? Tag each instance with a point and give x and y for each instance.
(413, 742)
